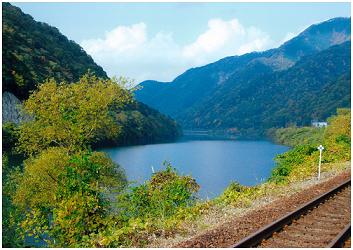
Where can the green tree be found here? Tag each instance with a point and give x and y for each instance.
(64, 196)
(11, 216)
(72, 115)
(62, 192)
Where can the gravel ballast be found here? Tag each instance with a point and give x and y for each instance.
(232, 231)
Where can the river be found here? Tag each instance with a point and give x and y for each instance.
(213, 163)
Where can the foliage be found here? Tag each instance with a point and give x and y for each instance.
(11, 233)
(237, 194)
(71, 115)
(34, 51)
(338, 137)
(293, 136)
(153, 207)
(302, 161)
(64, 192)
(142, 125)
(285, 163)
(9, 136)
(62, 195)
(160, 197)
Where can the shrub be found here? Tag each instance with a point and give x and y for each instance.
(286, 162)
(62, 196)
(237, 195)
(161, 196)
(152, 207)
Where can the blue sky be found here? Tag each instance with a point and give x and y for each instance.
(161, 40)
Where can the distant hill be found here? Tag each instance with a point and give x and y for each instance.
(34, 51)
(259, 90)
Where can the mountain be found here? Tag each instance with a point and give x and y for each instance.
(246, 93)
(143, 125)
(312, 89)
(34, 51)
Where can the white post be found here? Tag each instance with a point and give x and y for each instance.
(320, 148)
(152, 169)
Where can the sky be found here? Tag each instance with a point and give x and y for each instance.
(159, 41)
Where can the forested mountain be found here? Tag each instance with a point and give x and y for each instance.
(306, 78)
(34, 51)
(312, 89)
(143, 125)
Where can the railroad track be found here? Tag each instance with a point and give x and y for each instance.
(322, 222)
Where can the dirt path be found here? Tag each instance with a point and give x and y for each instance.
(235, 229)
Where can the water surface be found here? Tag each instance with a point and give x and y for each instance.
(213, 163)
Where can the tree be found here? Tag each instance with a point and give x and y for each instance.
(63, 196)
(72, 115)
(62, 191)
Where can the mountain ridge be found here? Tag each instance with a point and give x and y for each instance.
(197, 85)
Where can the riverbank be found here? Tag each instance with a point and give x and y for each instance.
(222, 226)
(295, 171)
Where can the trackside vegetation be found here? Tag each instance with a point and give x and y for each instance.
(299, 163)
(75, 197)
(67, 195)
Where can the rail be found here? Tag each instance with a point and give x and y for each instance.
(256, 238)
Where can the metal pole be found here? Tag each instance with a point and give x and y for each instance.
(320, 148)
(320, 164)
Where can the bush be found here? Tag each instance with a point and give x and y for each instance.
(62, 196)
(152, 207)
(160, 197)
(286, 162)
(237, 195)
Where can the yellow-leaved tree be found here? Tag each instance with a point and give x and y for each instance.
(61, 193)
(72, 115)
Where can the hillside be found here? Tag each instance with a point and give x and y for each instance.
(312, 89)
(143, 125)
(34, 51)
(255, 91)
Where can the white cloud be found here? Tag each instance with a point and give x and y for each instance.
(218, 34)
(118, 40)
(225, 38)
(131, 52)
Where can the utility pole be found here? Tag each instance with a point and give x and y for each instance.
(320, 148)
